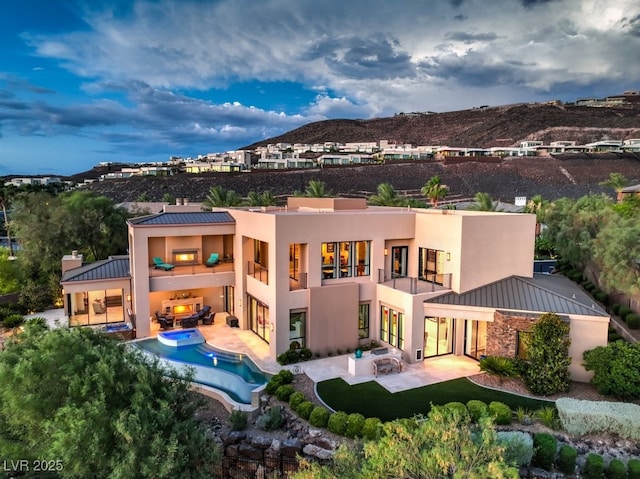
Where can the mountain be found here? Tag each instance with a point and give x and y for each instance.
(479, 127)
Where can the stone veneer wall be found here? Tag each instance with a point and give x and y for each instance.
(502, 333)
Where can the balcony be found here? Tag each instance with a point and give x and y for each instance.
(429, 284)
(190, 268)
(191, 276)
(258, 272)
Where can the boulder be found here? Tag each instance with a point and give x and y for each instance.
(317, 452)
(246, 450)
(290, 447)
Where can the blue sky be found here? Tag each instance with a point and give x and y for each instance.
(83, 82)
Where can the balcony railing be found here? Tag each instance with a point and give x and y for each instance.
(191, 270)
(299, 282)
(258, 272)
(412, 285)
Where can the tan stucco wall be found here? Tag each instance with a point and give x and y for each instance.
(333, 318)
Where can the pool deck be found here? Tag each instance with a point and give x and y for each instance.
(415, 375)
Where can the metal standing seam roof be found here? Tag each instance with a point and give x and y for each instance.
(523, 294)
(112, 268)
(184, 218)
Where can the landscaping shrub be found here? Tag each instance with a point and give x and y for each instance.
(498, 365)
(567, 457)
(593, 467)
(371, 428)
(613, 337)
(623, 311)
(633, 321)
(13, 321)
(500, 412)
(633, 468)
(545, 446)
(271, 420)
(286, 375)
(574, 275)
(518, 447)
(355, 422)
(304, 409)
(337, 423)
(280, 379)
(601, 296)
(284, 392)
(457, 406)
(612, 374)
(477, 409)
(238, 419)
(547, 416)
(523, 415)
(616, 470)
(295, 399)
(319, 416)
(580, 417)
(615, 307)
(293, 356)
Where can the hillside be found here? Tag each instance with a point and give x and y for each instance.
(552, 177)
(480, 127)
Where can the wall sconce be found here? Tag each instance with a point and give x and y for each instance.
(386, 252)
(129, 298)
(448, 256)
(271, 325)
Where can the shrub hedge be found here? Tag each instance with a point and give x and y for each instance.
(518, 447)
(500, 412)
(355, 423)
(284, 392)
(337, 423)
(545, 446)
(633, 320)
(633, 468)
(616, 470)
(319, 416)
(567, 457)
(371, 428)
(304, 409)
(593, 467)
(477, 409)
(295, 399)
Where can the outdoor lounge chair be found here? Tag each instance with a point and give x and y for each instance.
(190, 321)
(213, 260)
(159, 264)
(208, 319)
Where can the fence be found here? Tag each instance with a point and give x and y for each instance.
(232, 467)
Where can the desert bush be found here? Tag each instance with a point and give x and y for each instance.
(457, 406)
(13, 321)
(284, 392)
(498, 365)
(616, 470)
(623, 311)
(612, 374)
(547, 416)
(295, 399)
(566, 462)
(238, 419)
(319, 416)
(477, 409)
(633, 468)
(500, 412)
(545, 446)
(633, 321)
(523, 415)
(304, 409)
(593, 467)
(271, 420)
(518, 447)
(355, 423)
(371, 428)
(337, 423)
(580, 417)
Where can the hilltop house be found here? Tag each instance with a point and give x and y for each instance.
(332, 273)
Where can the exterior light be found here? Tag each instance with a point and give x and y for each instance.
(448, 256)
(386, 252)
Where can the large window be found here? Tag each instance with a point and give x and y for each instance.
(259, 318)
(345, 259)
(297, 329)
(475, 341)
(96, 307)
(431, 265)
(392, 327)
(363, 320)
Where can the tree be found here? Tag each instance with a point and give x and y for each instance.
(434, 190)
(617, 181)
(615, 369)
(316, 189)
(483, 202)
(218, 197)
(265, 198)
(9, 273)
(446, 444)
(548, 360)
(101, 409)
(386, 196)
(538, 206)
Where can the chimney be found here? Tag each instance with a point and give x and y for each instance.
(70, 261)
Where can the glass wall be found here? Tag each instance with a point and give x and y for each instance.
(392, 327)
(297, 329)
(363, 320)
(475, 338)
(96, 307)
(259, 318)
(345, 259)
(438, 336)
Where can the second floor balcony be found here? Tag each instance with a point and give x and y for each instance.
(430, 283)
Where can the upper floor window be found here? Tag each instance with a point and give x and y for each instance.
(345, 259)
(431, 265)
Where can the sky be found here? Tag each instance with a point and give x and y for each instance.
(83, 82)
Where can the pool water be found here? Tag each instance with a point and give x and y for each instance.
(235, 374)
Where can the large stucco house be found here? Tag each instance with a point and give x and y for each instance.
(331, 273)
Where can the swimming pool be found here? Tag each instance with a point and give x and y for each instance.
(234, 374)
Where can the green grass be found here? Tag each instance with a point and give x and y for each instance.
(372, 400)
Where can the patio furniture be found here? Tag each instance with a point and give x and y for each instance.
(165, 323)
(232, 322)
(213, 260)
(386, 366)
(190, 321)
(98, 307)
(159, 264)
(208, 319)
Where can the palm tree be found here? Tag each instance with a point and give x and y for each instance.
(434, 190)
(538, 206)
(617, 181)
(219, 197)
(386, 196)
(260, 199)
(316, 189)
(483, 202)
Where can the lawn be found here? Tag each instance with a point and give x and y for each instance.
(372, 400)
